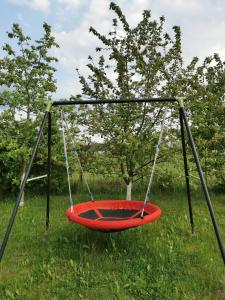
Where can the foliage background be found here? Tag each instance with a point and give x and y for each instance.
(147, 62)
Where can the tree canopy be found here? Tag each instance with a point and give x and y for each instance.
(27, 79)
(142, 62)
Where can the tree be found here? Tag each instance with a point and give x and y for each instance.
(203, 86)
(143, 61)
(208, 110)
(27, 77)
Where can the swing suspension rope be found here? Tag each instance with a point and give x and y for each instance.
(147, 196)
(79, 163)
(90, 194)
(64, 125)
(66, 160)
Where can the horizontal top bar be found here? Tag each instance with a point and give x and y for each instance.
(102, 101)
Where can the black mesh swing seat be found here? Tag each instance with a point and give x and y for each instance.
(112, 215)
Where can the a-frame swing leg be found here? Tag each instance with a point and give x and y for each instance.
(203, 183)
(186, 172)
(14, 213)
(48, 170)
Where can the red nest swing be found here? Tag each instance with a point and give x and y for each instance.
(112, 215)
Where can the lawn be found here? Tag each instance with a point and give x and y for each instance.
(161, 260)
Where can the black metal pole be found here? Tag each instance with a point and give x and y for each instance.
(49, 169)
(204, 185)
(13, 216)
(104, 101)
(186, 171)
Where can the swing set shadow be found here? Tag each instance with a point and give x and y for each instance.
(183, 126)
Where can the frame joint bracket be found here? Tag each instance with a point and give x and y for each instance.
(49, 106)
(180, 101)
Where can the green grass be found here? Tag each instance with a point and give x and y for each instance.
(161, 260)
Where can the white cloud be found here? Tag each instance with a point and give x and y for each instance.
(42, 5)
(181, 5)
(77, 43)
(70, 4)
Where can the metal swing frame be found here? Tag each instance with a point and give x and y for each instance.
(183, 126)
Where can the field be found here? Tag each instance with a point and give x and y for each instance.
(162, 260)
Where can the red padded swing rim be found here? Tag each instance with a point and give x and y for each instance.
(153, 213)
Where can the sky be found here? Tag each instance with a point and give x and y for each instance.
(202, 24)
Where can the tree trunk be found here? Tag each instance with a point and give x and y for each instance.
(129, 190)
(24, 166)
(22, 198)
